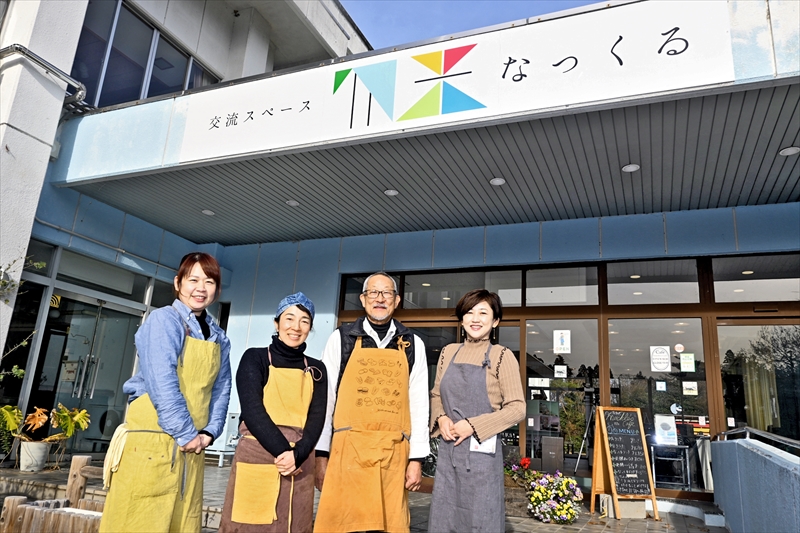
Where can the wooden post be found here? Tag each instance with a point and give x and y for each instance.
(10, 512)
(76, 485)
(37, 519)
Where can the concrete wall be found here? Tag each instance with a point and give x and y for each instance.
(759, 487)
(30, 106)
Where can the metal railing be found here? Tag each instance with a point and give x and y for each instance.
(79, 94)
(782, 443)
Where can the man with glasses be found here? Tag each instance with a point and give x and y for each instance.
(377, 418)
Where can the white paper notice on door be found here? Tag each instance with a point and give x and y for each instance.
(660, 359)
(561, 341)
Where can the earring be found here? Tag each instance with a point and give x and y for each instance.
(494, 334)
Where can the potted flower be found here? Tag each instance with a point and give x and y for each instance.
(33, 454)
(555, 498)
(519, 473)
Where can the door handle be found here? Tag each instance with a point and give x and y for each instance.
(83, 375)
(96, 368)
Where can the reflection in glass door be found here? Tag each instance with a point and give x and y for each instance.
(87, 354)
(562, 359)
(761, 377)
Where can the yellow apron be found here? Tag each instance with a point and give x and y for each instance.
(258, 498)
(157, 487)
(364, 486)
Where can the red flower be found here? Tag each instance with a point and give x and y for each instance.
(525, 462)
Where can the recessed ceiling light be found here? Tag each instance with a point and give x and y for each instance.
(677, 331)
(681, 323)
(497, 181)
(292, 203)
(390, 192)
(738, 290)
(635, 276)
(533, 332)
(208, 212)
(445, 297)
(637, 293)
(631, 167)
(637, 349)
(538, 351)
(747, 272)
(616, 350)
(426, 284)
(613, 332)
(789, 150)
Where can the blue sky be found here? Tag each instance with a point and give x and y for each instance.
(392, 22)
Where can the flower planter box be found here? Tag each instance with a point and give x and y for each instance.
(516, 501)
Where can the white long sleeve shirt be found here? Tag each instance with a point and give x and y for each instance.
(418, 403)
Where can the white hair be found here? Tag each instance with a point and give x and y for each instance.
(384, 274)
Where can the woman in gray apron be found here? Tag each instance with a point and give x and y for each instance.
(476, 395)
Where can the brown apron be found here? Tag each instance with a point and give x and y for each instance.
(364, 486)
(259, 499)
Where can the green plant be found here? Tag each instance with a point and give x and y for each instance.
(69, 420)
(8, 284)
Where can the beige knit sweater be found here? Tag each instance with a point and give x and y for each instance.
(502, 383)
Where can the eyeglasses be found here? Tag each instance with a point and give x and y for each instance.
(373, 294)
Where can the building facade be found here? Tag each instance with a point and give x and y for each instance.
(633, 195)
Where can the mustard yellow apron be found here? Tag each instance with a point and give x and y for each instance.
(258, 498)
(364, 486)
(156, 486)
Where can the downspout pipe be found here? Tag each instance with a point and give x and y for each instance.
(80, 93)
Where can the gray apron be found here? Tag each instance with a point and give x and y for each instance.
(468, 493)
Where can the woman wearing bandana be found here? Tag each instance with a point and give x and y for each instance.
(283, 395)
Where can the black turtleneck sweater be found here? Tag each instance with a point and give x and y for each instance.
(251, 378)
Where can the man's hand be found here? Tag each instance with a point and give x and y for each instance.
(320, 466)
(413, 476)
(197, 444)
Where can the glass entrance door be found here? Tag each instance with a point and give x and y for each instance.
(761, 377)
(87, 354)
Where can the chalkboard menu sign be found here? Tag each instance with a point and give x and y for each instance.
(628, 460)
(621, 464)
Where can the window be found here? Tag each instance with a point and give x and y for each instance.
(443, 291)
(140, 62)
(772, 278)
(562, 286)
(653, 282)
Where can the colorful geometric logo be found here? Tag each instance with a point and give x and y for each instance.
(443, 98)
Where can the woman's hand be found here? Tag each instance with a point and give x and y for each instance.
(462, 429)
(285, 463)
(197, 444)
(446, 427)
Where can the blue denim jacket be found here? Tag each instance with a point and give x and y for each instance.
(159, 343)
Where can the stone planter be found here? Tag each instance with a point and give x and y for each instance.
(517, 502)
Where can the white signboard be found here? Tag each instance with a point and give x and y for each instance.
(661, 386)
(629, 50)
(561, 341)
(660, 359)
(560, 371)
(687, 362)
(690, 388)
(666, 430)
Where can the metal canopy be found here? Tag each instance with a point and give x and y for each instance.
(704, 152)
